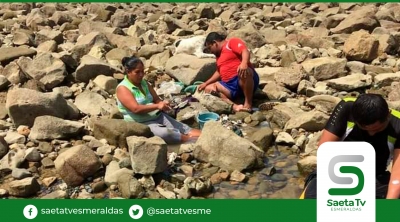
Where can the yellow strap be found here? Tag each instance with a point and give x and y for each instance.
(348, 99)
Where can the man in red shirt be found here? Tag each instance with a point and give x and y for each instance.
(234, 70)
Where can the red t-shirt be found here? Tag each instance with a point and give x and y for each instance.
(230, 58)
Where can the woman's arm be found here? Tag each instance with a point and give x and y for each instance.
(156, 98)
(125, 96)
(394, 184)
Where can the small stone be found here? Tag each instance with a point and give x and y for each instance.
(99, 187)
(58, 194)
(87, 138)
(32, 154)
(248, 119)
(216, 178)
(48, 181)
(107, 158)
(125, 163)
(19, 174)
(239, 194)
(186, 157)
(237, 176)
(23, 130)
(281, 164)
(103, 150)
(254, 123)
(47, 162)
(253, 181)
(278, 177)
(45, 147)
(30, 144)
(165, 193)
(269, 171)
(187, 170)
(3, 193)
(186, 148)
(113, 187)
(224, 175)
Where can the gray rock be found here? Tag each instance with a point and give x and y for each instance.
(285, 138)
(226, 149)
(58, 194)
(113, 172)
(89, 103)
(24, 188)
(386, 79)
(8, 54)
(106, 83)
(309, 121)
(45, 68)
(14, 137)
(307, 165)
(76, 164)
(24, 105)
(148, 155)
(189, 69)
(90, 67)
(325, 68)
(115, 131)
(325, 103)
(263, 138)
(363, 18)
(350, 82)
(12, 159)
(50, 127)
(130, 187)
(32, 155)
(19, 174)
(3, 147)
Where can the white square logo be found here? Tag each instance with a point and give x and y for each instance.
(346, 182)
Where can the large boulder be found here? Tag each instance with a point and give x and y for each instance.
(189, 69)
(76, 164)
(50, 127)
(226, 150)
(148, 155)
(115, 131)
(24, 105)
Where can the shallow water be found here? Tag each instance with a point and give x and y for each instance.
(286, 182)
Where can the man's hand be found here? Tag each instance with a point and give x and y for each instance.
(201, 87)
(243, 70)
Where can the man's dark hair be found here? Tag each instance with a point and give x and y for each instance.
(214, 36)
(370, 108)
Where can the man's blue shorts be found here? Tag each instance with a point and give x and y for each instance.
(234, 88)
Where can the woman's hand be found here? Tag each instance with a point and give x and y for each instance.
(163, 106)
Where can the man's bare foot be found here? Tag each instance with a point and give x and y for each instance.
(240, 108)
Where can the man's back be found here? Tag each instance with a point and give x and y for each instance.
(230, 59)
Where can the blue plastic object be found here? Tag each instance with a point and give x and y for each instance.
(204, 117)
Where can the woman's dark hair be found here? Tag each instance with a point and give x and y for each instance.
(213, 36)
(370, 108)
(130, 63)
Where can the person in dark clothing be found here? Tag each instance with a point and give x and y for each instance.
(366, 118)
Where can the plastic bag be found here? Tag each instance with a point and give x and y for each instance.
(169, 88)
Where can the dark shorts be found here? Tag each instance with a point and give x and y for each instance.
(310, 187)
(234, 88)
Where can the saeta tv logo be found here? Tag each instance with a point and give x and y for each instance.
(346, 181)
